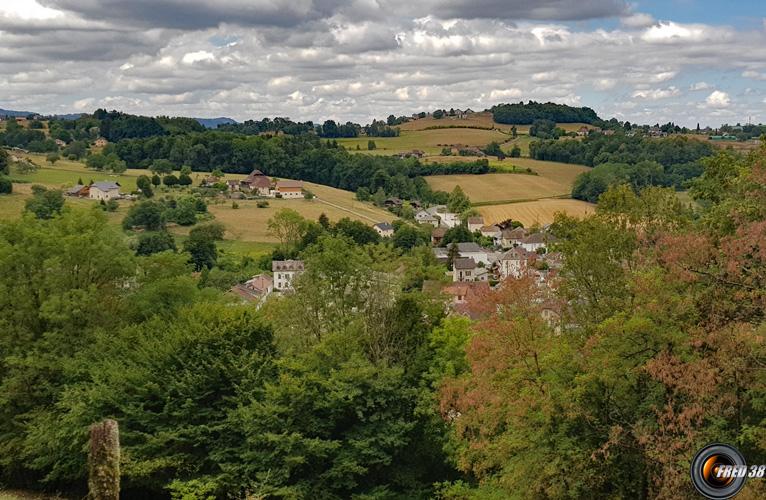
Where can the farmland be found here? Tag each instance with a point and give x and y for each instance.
(426, 140)
(552, 180)
(538, 212)
(245, 226)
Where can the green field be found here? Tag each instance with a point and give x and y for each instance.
(429, 141)
(246, 230)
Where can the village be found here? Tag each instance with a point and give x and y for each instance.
(509, 252)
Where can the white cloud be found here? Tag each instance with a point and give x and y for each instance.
(83, 104)
(655, 94)
(637, 20)
(604, 84)
(199, 56)
(699, 86)
(669, 32)
(754, 75)
(718, 99)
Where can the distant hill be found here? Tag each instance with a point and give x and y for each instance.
(215, 122)
(10, 112)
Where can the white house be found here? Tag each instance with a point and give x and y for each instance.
(104, 191)
(465, 269)
(289, 189)
(475, 252)
(515, 262)
(475, 223)
(384, 229)
(285, 272)
(423, 217)
(512, 237)
(532, 242)
(445, 218)
(493, 232)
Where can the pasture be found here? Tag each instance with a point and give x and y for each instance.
(426, 140)
(537, 212)
(246, 230)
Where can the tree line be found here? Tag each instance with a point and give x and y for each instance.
(526, 113)
(639, 161)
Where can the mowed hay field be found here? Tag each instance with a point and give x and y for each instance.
(552, 180)
(538, 212)
(501, 187)
(425, 140)
(246, 224)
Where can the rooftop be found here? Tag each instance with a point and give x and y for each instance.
(384, 226)
(464, 263)
(287, 265)
(106, 185)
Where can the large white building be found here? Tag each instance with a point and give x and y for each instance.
(285, 272)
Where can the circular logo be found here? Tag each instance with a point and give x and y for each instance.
(718, 471)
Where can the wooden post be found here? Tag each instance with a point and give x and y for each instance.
(104, 461)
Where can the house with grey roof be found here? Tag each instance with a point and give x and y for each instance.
(104, 191)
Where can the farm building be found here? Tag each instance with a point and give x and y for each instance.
(289, 189)
(104, 191)
(78, 191)
(384, 229)
(101, 142)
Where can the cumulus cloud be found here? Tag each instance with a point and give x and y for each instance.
(655, 94)
(699, 86)
(363, 59)
(718, 99)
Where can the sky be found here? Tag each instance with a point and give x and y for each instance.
(646, 61)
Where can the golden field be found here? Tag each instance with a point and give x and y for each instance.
(538, 212)
(552, 180)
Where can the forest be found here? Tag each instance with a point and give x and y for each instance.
(359, 385)
(638, 161)
(523, 114)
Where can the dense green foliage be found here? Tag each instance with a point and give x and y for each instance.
(638, 161)
(356, 385)
(521, 113)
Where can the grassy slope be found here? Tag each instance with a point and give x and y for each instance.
(246, 226)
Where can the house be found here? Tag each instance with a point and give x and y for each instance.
(465, 297)
(423, 217)
(60, 143)
(437, 235)
(608, 132)
(441, 254)
(104, 191)
(78, 191)
(101, 142)
(475, 223)
(465, 269)
(384, 229)
(583, 131)
(232, 185)
(255, 289)
(512, 237)
(285, 272)
(515, 263)
(257, 183)
(532, 242)
(289, 189)
(392, 202)
(478, 254)
(492, 231)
